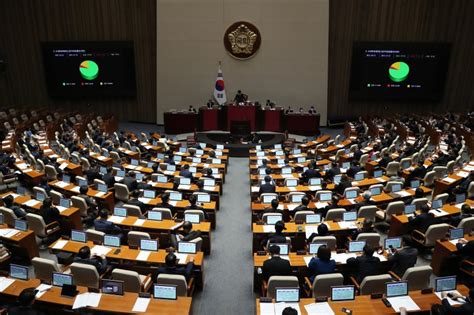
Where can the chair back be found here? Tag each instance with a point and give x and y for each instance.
(442, 197)
(281, 282)
(330, 240)
(374, 284)
(9, 216)
(322, 283)
(85, 164)
(392, 168)
(363, 159)
(418, 277)
(121, 192)
(429, 178)
(301, 215)
(440, 171)
(41, 190)
(134, 237)
(372, 239)
(450, 167)
(467, 224)
(178, 280)
(36, 223)
(81, 204)
(335, 214)
(131, 279)
(435, 232)
(418, 202)
(44, 268)
(394, 208)
(166, 213)
(133, 210)
(367, 212)
(51, 172)
(93, 235)
(85, 275)
(115, 156)
(55, 196)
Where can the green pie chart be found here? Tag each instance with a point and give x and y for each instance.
(89, 69)
(398, 71)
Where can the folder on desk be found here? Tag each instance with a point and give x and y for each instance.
(141, 305)
(87, 299)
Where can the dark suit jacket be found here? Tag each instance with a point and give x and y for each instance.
(274, 238)
(466, 250)
(310, 173)
(276, 266)
(464, 309)
(136, 202)
(403, 259)
(106, 226)
(365, 266)
(109, 179)
(130, 182)
(50, 215)
(317, 266)
(266, 188)
(186, 173)
(23, 310)
(422, 222)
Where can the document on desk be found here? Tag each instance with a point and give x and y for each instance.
(403, 193)
(75, 189)
(292, 206)
(116, 219)
(381, 257)
(182, 258)
(292, 188)
(31, 203)
(143, 255)
(347, 225)
(141, 305)
(87, 299)
(267, 309)
(42, 289)
(61, 209)
(63, 166)
(99, 250)
(462, 174)
(269, 228)
(144, 200)
(449, 180)
(99, 194)
(319, 309)
(343, 257)
(185, 187)
(314, 188)
(438, 212)
(5, 283)
(450, 301)
(307, 259)
(60, 244)
(320, 205)
(173, 203)
(255, 189)
(61, 184)
(403, 301)
(139, 222)
(454, 242)
(310, 229)
(279, 307)
(8, 232)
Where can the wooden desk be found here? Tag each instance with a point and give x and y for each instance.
(21, 243)
(443, 250)
(102, 160)
(364, 305)
(32, 175)
(107, 200)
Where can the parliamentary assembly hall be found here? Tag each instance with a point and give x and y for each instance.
(221, 157)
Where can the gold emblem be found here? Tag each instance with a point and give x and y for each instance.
(242, 40)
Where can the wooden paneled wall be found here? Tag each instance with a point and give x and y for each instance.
(25, 23)
(401, 20)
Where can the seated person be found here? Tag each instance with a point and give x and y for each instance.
(367, 227)
(131, 181)
(365, 265)
(165, 198)
(403, 258)
(277, 237)
(209, 173)
(186, 235)
(44, 184)
(84, 257)
(303, 206)
(323, 230)
(19, 212)
(25, 303)
(109, 177)
(322, 264)
(102, 225)
(143, 184)
(268, 187)
(310, 172)
(185, 172)
(49, 212)
(273, 208)
(465, 249)
(466, 308)
(173, 268)
(422, 221)
(419, 193)
(193, 206)
(466, 212)
(365, 200)
(83, 194)
(275, 266)
(344, 183)
(133, 200)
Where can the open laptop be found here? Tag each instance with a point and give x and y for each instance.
(148, 193)
(356, 246)
(350, 194)
(286, 171)
(185, 181)
(409, 209)
(297, 198)
(436, 204)
(102, 188)
(314, 181)
(343, 293)
(460, 198)
(192, 217)
(165, 292)
(267, 199)
(287, 295)
(414, 184)
(176, 196)
(203, 198)
(358, 177)
(455, 234)
(393, 289)
(21, 225)
(284, 248)
(65, 203)
(290, 182)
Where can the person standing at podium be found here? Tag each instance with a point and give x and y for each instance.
(240, 97)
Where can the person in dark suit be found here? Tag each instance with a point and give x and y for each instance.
(344, 183)
(24, 306)
(354, 169)
(101, 224)
(186, 235)
(173, 269)
(323, 230)
(275, 266)
(277, 237)
(131, 181)
(403, 258)
(272, 209)
(365, 200)
(268, 187)
(84, 257)
(422, 221)
(143, 184)
(303, 206)
(357, 154)
(44, 184)
(466, 308)
(185, 172)
(50, 213)
(384, 160)
(19, 212)
(310, 172)
(419, 193)
(365, 265)
(418, 172)
(465, 249)
(466, 212)
(240, 97)
(165, 198)
(322, 264)
(133, 200)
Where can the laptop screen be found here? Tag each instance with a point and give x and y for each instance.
(343, 293)
(102, 188)
(150, 245)
(396, 187)
(160, 156)
(399, 288)
(349, 216)
(284, 248)
(219, 146)
(279, 153)
(436, 204)
(103, 170)
(394, 242)
(273, 218)
(155, 215)
(455, 234)
(313, 218)
(134, 162)
(21, 190)
(325, 197)
(260, 153)
(192, 217)
(165, 292)
(161, 179)
(301, 159)
(65, 203)
(184, 181)
(288, 295)
(351, 194)
(314, 247)
(378, 173)
(177, 158)
(40, 196)
(216, 161)
(356, 246)
(359, 176)
(203, 198)
(460, 198)
(112, 287)
(291, 182)
(78, 236)
(171, 168)
(209, 182)
(182, 150)
(314, 181)
(176, 196)
(445, 284)
(21, 225)
(196, 160)
(193, 169)
(66, 179)
(297, 151)
(121, 173)
(375, 191)
(268, 198)
(277, 146)
(82, 182)
(111, 240)
(415, 184)
(18, 272)
(59, 279)
(121, 212)
(187, 247)
(149, 193)
(286, 171)
(139, 176)
(297, 198)
(346, 165)
(409, 209)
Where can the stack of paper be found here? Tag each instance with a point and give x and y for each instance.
(292, 206)
(403, 301)
(116, 219)
(450, 301)
(255, 189)
(42, 289)
(319, 309)
(61, 184)
(99, 250)
(449, 180)
(143, 255)
(347, 225)
(310, 229)
(139, 222)
(269, 228)
(5, 283)
(61, 209)
(63, 166)
(8, 232)
(173, 203)
(307, 259)
(267, 309)
(182, 258)
(31, 203)
(87, 299)
(186, 187)
(99, 194)
(314, 188)
(320, 205)
(141, 305)
(75, 189)
(343, 257)
(292, 188)
(60, 244)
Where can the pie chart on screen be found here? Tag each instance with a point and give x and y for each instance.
(398, 71)
(89, 69)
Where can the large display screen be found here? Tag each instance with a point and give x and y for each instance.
(85, 69)
(398, 71)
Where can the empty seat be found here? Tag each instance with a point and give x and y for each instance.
(182, 288)
(134, 238)
(132, 280)
(280, 282)
(85, 275)
(335, 214)
(322, 283)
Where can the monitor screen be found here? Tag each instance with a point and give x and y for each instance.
(139, 176)
(291, 182)
(288, 295)
(301, 159)
(314, 181)
(182, 149)
(356, 246)
(149, 194)
(102, 170)
(102, 188)
(396, 187)
(160, 156)
(185, 181)
(279, 153)
(59, 279)
(192, 217)
(78, 236)
(375, 191)
(89, 69)
(346, 165)
(65, 203)
(398, 71)
(209, 182)
(349, 216)
(393, 242)
(284, 248)
(150, 164)
(150, 245)
(112, 286)
(82, 182)
(351, 194)
(268, 198)
(166, 292)
(111, 240)
(193, 169)
(297, 151)
(220, 147)
(66, 179)
(196, 160)
(261, 171)
(187, 247)
(121, 212)
(359, 176)
(216, 161)
(18, 272)
(171, 168)
(436, 204)
(154, 215)
(343, 293)
(260, 153)
(161, 179)
(177, 158)
(176, 196)
(398, 288)
(203, 198)
(273, 218)
(445, 284)
(286, 170)
(120, 173)
(455, 234)
(409, 209)
(313, 218)
(378, 173)
(337, 179)
(414, 184)
(313, 247)
(134, 162)
(325, 197)
(40, 196)
(21, 225)
(21, 190)
(297, 198)
(460, 198)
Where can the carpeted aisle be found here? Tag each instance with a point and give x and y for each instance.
(228, 270)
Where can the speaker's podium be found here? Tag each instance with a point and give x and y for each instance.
(240, 128)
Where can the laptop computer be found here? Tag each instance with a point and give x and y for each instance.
(60, 279)
(120, 212)
(18, 272)
(455, 234)
(445, 283)
(393, 242)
